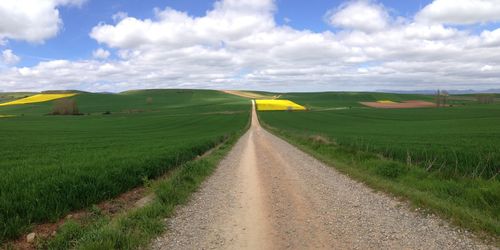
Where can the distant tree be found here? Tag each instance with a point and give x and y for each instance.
(441, 98)
(65, 107)
(485, 98)
(444, 96)
(438, 98)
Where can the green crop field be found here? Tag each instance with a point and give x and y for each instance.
(51, 165)
(447, 159)
(463, 140)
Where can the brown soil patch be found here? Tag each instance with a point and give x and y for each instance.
(250, 95)
(134, 198)
(321, 140)
(244, 94)
(400, 105)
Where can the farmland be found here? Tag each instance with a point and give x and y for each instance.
(270, 105)
(51, 164)
(442, 159)
(37, 98)
(445, 159)
(457, 141)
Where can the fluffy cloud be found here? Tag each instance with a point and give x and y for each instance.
(360, 15)
(230, 20)
(31, 20)
(461, 11)
(491, 38)
(101, 53)
(238, 44)
(119, 16)
(9, 58)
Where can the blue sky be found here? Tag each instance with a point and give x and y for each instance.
(273, 45)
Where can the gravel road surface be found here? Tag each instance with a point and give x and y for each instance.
(267, 194)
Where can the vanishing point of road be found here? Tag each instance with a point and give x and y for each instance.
(267, 194)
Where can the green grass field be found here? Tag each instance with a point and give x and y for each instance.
(51, 165)
(446, 159)
(461, 141)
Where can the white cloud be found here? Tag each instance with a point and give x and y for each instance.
(238, 44)
(101, 53)
(486, 68)
(119, 16)
(429, 32)
(491, 38)
(460, 12)
(360, 15)
(230, 20)
(31, 20)
(9, 58)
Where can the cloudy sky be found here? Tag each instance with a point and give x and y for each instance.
(280, 45)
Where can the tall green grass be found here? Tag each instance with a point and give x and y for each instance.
(51, 165)
(136, 228)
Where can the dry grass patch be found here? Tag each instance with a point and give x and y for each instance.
(319, 139)
(244, 94)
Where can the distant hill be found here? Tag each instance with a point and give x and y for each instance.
(430, 92)
(62, 91)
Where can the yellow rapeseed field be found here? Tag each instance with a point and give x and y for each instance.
(37, 98)
(385, 101)
(264, 105)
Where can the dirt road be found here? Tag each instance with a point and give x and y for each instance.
(266, 194)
